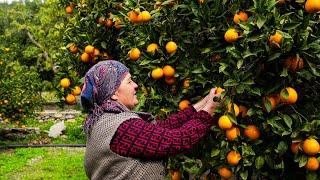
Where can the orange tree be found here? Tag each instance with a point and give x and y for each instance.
(264, 54)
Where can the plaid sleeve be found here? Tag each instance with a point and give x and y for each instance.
(140, 139)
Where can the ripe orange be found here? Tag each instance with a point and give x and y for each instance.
(170, 80)
(288, 95)
(108, 23)
(152, 48)
(184, 104)
(312, 6)
(171, 47)
(133, 16)
(65, 83)
(232, 133)
(275, 38)
(168, 70)
(70, 99)
(252, 132)
(144, 16)
(312, 164)
(76, 91)
(225, 173)
(96, 52)
(85, 57)
(219, 90)
(157, 73)
(273, 100)
(293, 63)
(295, 147)
(240, 16)
(243, 111)
(231, 35)
(310, 146)
(175, 174)
(233, 158)
(235, 108)
(224, 122)
(69, 9)
(134, 54)
(186, 83)
(73, 49)
(89, 49)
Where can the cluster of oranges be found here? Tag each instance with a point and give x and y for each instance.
(167, 71)
(310, 147)
(287, 96)
(135, 53)
(76, 91)
(139, 17)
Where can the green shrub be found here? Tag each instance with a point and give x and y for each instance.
(19, 91)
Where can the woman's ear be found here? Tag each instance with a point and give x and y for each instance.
(114, 97)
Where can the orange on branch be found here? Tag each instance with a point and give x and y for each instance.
(85, 57)
(235, 109)
(310, 146)
(186, 83)
(69, 9)
(252, 132)
(73, 49)
(168, 70)
(275, 39)
(134, 54)
(233, 158)
(224, 122)
(312, 6)
(175, 174)
(312, 164)
(76, 91)
(65, 83)
(157, 73)
(171, 47)
(240, 16)
(232, 133)
(295, 147)
(170, 80)
(145, 16)
(70, 99)
(184, 104)
(152, 48)
(225, 173)
(231, 35)
(89, 49)
(288, 95)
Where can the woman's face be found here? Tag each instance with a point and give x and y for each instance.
(126, 93)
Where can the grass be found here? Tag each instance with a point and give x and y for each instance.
(42, 163)
(72, 135)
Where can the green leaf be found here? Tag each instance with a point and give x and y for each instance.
(282, 147)
(287, 119)
(244, 174)
(239, 63)
(312, 176)
(215, 152)
(290, 26)
(250, 112)
(260, 22)
(302, 160)
(259, 162)
(230, 82)
(284, 72)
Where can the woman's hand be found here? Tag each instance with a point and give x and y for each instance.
(211, 104)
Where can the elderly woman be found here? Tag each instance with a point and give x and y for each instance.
(123, 144)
